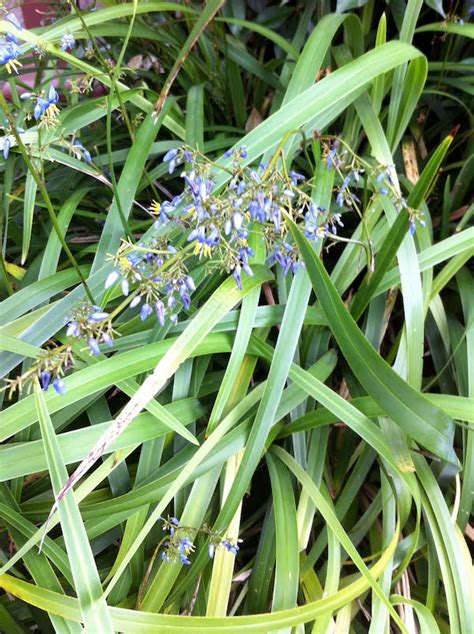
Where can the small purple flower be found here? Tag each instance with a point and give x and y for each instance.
(237, 220)
(93, 346)
(112, 277)
(67, 42)
(73, 329)
(190, 283)
(237, 275)
(59, 386)
(125, 286)
(228, 153)
(6, 147)
(160, 312)
(170, 155)
(45, 378)
(42, 105)
(98, 316)
(135, 301)
(107, 339)
(145, 311)
(231, 548)
(184, 560)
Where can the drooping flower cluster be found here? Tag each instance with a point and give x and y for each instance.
(356, 173)
(92, 324)
(211, 221)
(48, 369)
(179, 545)
(9, 50)
(158, 273)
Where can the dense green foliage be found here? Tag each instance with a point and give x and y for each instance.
(262, 385)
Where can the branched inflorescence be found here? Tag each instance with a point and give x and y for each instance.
(179, 543)
(213, 222)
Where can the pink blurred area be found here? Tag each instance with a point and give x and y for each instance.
(31, 14)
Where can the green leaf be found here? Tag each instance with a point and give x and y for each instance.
(409, 409)
(94, 611)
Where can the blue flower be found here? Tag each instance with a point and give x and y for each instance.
(112, 277)
(49, 104)
(184, 560)
(45, 379)
(6, 147)
(93, 346)
(160, 312)
(85, 153)
(9, 52)
(59, 386)
(73, 329)
(67, 41)
(172, 157)
(107, 339)
(98, 315)
(145, 311)
(231, 548)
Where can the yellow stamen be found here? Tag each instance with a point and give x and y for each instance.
(12, 66)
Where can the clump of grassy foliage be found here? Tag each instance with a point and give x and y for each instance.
(236, 318)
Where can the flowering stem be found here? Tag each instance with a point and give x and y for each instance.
(146, 576)
(44, 193)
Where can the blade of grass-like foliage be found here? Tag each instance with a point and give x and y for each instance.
(334, 525)
(204, 17)
(428, 624)
(26, 458)
(278, 374)
(242, 335)
(286, 582)
(410, 18)
(36, 563)
(454, 565)
(465, 284)
(266, 32)
(411, 352)
(430, 257)
(131, 621)
(409, 409)
(224, 561)
(94, 611)
(53, 246)
(318, 105)
(233, 388)
(13, 344)
(195, 117)
(466, 29)
(36, 293)
(28, 209)
(215, 308)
